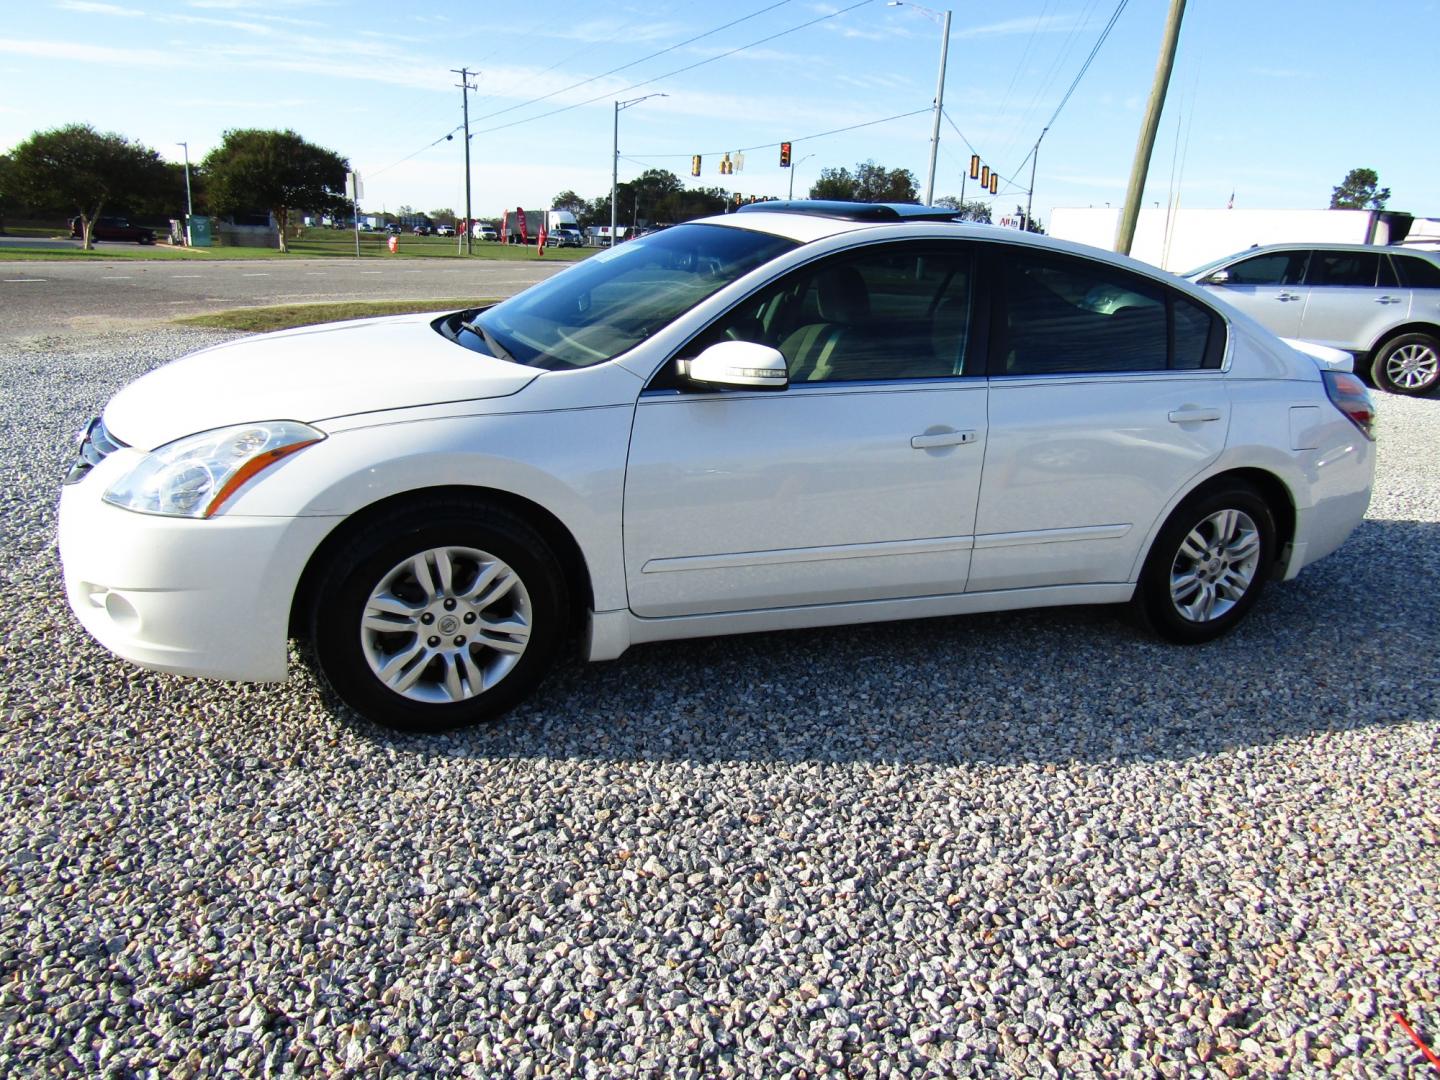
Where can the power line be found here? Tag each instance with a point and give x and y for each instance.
(633, 63)
(803, 138)
(677, 71)
(1120, 7)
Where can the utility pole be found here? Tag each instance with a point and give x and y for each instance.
(465, 88)
(189, 205)
(615, 157)
(1034, 160)
(1125, 237)
(943, 18)
(794, 166)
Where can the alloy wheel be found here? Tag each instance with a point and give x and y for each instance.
(1215, 566)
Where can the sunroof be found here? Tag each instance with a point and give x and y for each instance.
(852, 211)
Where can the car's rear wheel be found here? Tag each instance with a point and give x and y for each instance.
(1408, 364)
(439, 616)
(1208, 565)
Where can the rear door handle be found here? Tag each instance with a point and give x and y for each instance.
(1192, 414)
(1387, 300)
(1288, 296)
(941, 438)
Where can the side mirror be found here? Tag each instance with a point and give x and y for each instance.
(1219, 277)
(739, 365)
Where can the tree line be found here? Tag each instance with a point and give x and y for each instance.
(83, 173)
(80, 172)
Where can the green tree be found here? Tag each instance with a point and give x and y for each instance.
(869, 183)
(974, 210)
(1359, 190)
(568, 200)
(276, 171)
(76, 168)
(443, 217)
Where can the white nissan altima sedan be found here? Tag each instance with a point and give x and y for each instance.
(803, 414)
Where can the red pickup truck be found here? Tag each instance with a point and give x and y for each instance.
(114, 228)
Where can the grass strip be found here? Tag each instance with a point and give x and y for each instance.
(286, 316)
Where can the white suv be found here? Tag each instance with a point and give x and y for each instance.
(814, 415)
(1378, 303)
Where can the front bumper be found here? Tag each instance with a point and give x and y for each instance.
(209, 598)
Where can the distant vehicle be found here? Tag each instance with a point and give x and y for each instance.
(444, 230)
(1378, 303)
(394, 229)
(422, 230)
(552, 220)
(114, 228)
(566, 237)
(481, 231)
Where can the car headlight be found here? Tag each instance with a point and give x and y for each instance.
(193, 476)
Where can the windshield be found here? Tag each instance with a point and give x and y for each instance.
(612, 301)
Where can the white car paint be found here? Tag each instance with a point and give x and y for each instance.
(701, 514)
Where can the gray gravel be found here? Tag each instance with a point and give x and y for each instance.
(1026, 845)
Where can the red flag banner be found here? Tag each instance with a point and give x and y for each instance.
(520, 220)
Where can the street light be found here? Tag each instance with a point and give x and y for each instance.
(944, 19)
(615, 156)
(793, 167)
(189, 207)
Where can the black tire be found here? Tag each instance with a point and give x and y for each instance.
(347, 647)
(1179, 617)
(1408, 364)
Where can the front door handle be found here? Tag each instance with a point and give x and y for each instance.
(1284, 296)
(1192, 414)
(941, 438)
(1387, 300)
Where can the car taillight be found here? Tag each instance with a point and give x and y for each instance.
(1348, 394)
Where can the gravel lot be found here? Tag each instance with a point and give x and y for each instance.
(1004, 845)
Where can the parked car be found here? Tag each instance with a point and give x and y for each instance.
(422, 230)
(444, 230)
(805, 415)
(394, 228)
(1378, 303)
(114, 228)
(564, 238)
(484, 232)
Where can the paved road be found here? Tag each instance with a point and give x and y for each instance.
(45, 298)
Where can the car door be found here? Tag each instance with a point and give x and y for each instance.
(1354, 298)
(857, 482)
(1268, 287)
(1105, 400)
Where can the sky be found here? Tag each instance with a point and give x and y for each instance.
(1271, 101)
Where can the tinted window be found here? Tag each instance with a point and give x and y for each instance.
(612, 301)
(1275, 268)
(1065, 315)
(1194, 328)
(891, 312)
(1417, 273)
(1337, 268)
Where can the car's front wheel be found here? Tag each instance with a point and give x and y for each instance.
(1208, 565)
(438, 616)
(1408, 364)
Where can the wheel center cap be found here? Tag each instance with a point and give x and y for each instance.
(448, 624)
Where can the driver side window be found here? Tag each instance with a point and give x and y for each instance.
(883, 313)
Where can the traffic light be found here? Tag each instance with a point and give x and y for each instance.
(726, 165)
(974, 166)
(694, 164)
(784, 155)
(985, 176)
(994, 183)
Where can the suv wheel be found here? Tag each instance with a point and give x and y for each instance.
(1408, 364)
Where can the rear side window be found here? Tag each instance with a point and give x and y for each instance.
(1069, 316)
(1274, 268)
(1417, 273)
(1343, 268)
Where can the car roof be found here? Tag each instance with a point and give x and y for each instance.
(1321, 245)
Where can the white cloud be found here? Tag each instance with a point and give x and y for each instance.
(94, 54)
(1030, 24)
(88, 7)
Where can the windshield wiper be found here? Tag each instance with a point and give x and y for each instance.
(496, 349)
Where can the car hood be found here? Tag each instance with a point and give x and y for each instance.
(311, 374)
